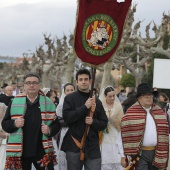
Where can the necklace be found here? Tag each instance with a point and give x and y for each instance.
(108, 113)
(109, 108)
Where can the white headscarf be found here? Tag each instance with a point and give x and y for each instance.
(60, 105)
(45, 90)
(3, 108)
(116, 111)
(102, 96)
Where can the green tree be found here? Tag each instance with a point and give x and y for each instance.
(166, 41)
(128, 80)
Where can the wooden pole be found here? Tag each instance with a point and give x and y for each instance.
(88, 126)
(93, 80)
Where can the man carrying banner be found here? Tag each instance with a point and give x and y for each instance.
(98, 34)
(75, 109)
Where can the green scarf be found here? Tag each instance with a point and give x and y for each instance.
(15, 140)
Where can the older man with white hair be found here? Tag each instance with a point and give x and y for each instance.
(145, 133)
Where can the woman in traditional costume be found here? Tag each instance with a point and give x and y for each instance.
(62, 163)
(111, 151)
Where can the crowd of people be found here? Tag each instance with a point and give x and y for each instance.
(107, 131)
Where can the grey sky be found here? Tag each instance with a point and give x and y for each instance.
(23, 22)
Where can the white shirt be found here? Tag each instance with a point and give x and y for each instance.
(15, 92)
(150, 134)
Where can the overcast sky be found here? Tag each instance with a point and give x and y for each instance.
(23, 22)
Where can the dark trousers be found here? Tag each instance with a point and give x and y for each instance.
(74, 163)
(27, 164)
(145, 161)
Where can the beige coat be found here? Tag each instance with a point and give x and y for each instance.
(3, 108)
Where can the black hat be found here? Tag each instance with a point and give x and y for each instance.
(4, 85)
(143, 89)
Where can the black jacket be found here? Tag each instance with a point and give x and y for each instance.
(32, 135)
(131, 99)
(74, 113)
(6, 99)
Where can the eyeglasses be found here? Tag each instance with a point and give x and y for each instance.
(147, 95)
(34, 83)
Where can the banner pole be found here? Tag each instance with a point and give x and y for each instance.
(88, 126)
(93, 81)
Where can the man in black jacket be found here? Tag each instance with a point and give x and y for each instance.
(3, 89)
(31, 121)
(131, 99)
(75, 110)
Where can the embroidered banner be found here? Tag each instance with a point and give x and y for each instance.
(99, 29)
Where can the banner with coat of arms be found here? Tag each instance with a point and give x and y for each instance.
(99, 29)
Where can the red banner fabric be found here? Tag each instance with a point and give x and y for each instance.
(99, 29)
